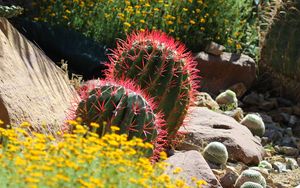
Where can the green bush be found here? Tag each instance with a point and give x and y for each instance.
(194, 22)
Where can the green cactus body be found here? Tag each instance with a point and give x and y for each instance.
(255, 124)
(250, 176)
(108, 103)
(216, 152)
(10, 11)
(162, 68)
(227, 98)
(251, 185)
(265, 164)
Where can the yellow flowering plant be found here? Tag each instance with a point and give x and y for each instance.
(192, 21)
(81, 159)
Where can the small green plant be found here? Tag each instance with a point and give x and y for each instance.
(160, 66)
(251, 185)
(255, 124)
(250, 176)
(216, 152)
(10, 11)
(227, 100)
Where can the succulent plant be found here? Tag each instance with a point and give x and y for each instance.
(265, 164)
(251, 185)
(119, 104)
(10, 11)
(216, 152)
(227, 99)
(250, 176)
(162, 67)
(255, 124)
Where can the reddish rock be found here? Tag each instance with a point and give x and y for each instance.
(32, 87)
(205, 126)
(221, 72)
(193, 165)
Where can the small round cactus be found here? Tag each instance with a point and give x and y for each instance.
(227, 98)
(265, 164)
(250, 176)
(251, 185)
(255, 124)
(216, 152)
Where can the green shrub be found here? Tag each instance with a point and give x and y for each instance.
(232, 23)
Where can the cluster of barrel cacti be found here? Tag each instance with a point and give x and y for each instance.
(150, 83)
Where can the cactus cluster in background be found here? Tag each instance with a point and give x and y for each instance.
(10, 11)
(250, 176)
(162, 67)
(255, 124)
(216, 152)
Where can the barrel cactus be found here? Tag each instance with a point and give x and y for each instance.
(227, 99)
(10, 11)
(255, 124)
(118, 104)
(162, 67)
(250, 176)
(251, 185)
(216, 152)
(265, 164)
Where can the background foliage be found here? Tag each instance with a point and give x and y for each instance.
(194, 22)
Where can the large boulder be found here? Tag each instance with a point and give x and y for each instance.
(221, 72)
(204, 126)
(32, 87)
(192, 165)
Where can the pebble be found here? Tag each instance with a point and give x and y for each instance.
(291, 163)
(279, 167)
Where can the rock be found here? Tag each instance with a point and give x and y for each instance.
(236, 114)
(298, 161)
(205, 126)
(204, 100)
(284, 102)
(32, 87)
(227, 100)
(293, 121)
(214, 48)
(229, 179)
(220, 72)
(289, 151)
(193, 165)
(296, 130)
(239, 89)
(253, 99)
(288, 110)
(279, 167)
(268, 105)
(296, 110)
(281, 185)
(291, 163)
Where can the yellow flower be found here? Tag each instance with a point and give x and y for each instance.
(96, 125)
(114, 128)
(192, 22)
(142, 21)
(238, 46)
(170, 22)
(25, 124)
(68, 12)
(177, 170)
(127, 24)
(185, 9)
(202, 20)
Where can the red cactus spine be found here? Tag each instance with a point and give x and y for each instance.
(162, 67)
